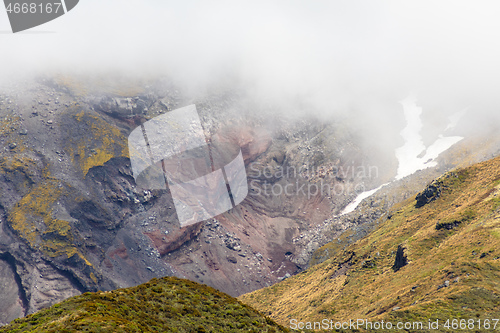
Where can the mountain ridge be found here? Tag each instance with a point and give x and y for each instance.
(167, 305)
(437, 260)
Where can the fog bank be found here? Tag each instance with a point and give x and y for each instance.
(335, 57)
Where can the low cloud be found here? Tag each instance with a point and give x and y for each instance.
(356, 58)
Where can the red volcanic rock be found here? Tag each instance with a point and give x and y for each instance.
(252, 141)
(120, 252)
(174, 240)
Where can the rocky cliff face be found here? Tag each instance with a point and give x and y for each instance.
(72, 218)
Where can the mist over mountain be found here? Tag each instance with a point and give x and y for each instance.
(328, 90)
(331, 58)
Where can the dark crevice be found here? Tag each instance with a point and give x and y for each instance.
(11, 261)
(75, 281)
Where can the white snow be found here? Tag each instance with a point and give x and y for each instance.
(408, 154)
(362, 196)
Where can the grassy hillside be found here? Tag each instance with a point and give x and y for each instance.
(161, 305)
(438, 261)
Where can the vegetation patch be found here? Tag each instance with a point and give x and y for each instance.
(161, 305)
(452, 223)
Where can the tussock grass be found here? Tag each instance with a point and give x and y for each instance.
(357, 280)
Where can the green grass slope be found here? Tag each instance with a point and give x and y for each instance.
(451, 247)
(161, 305)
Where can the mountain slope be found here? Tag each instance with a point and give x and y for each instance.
(161, 305)
(72, 218)
(434, 256)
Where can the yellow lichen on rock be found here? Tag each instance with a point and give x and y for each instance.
(19, 165)
(101, 142)
(57, 247)
(33, 208)
(32, 219)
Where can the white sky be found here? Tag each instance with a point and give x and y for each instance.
(337, 55)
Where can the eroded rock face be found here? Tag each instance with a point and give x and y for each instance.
(12, 306)
(74, 220)
(28, 282)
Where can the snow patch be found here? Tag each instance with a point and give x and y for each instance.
(362, 196)
(413, 155)
(409, 154)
